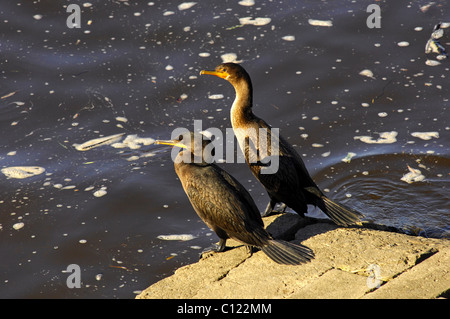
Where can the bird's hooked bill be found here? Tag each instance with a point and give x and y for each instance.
(171, 142)
(220, 74)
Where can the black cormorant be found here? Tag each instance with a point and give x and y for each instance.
(224, 204)
(290, 184)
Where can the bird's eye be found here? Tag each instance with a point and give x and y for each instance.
(180, 137)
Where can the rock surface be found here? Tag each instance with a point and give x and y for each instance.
(363, 262)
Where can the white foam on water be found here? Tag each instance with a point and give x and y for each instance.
(385, 138)
(96, 142)
(425, 135)
(414, 175)
(255, 21)
(181, 237)
(186, 5)
(320, 23)
(21, 172)
(367, 72)
(133, 142)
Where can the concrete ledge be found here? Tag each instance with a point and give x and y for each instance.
(429, 279)
(407, 266)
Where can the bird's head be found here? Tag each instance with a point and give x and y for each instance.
(196, 146)
(231, 72)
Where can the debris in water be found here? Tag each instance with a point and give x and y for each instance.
(438, 32)
(215, 96)
(101, 192)
(289, 38)
(256, 21)
(247, 3)
(403, 44)
(121, 119)
(230, 57)
(320, 23)
(235, 27)
(426, 7)
(425, 135)
(69, 187)
(349, 157)
(132, 158)
(385, 138)
(414, 175)
(182, 237)
(22, 171)
(134, 142)
(432, 62)
(186, 5)
(96, 142)
(18, 226)
(367, 72)
(8, 95)
(119, 267)
(434, 46)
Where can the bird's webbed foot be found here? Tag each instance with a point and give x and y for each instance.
(251, 250)
(208, 252)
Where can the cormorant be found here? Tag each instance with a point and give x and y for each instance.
(291, 183)
(224, 204)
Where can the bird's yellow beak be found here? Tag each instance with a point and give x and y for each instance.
(220, 74)
(171, 142)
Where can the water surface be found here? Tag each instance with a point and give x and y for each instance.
(133, 68)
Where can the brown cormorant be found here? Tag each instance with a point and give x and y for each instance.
(224, 204)
(291, 183)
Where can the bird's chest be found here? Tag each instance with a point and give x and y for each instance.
(254, 142)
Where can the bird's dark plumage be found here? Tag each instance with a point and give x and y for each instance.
(225, 205)
(291, 183)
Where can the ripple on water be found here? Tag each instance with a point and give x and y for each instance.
(375, 185)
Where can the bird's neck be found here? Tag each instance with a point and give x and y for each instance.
(185, 158)
(241, 111)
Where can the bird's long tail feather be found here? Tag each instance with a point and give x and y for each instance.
(341, 214)
(283, 252)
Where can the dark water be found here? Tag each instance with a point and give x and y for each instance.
(133, 68)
